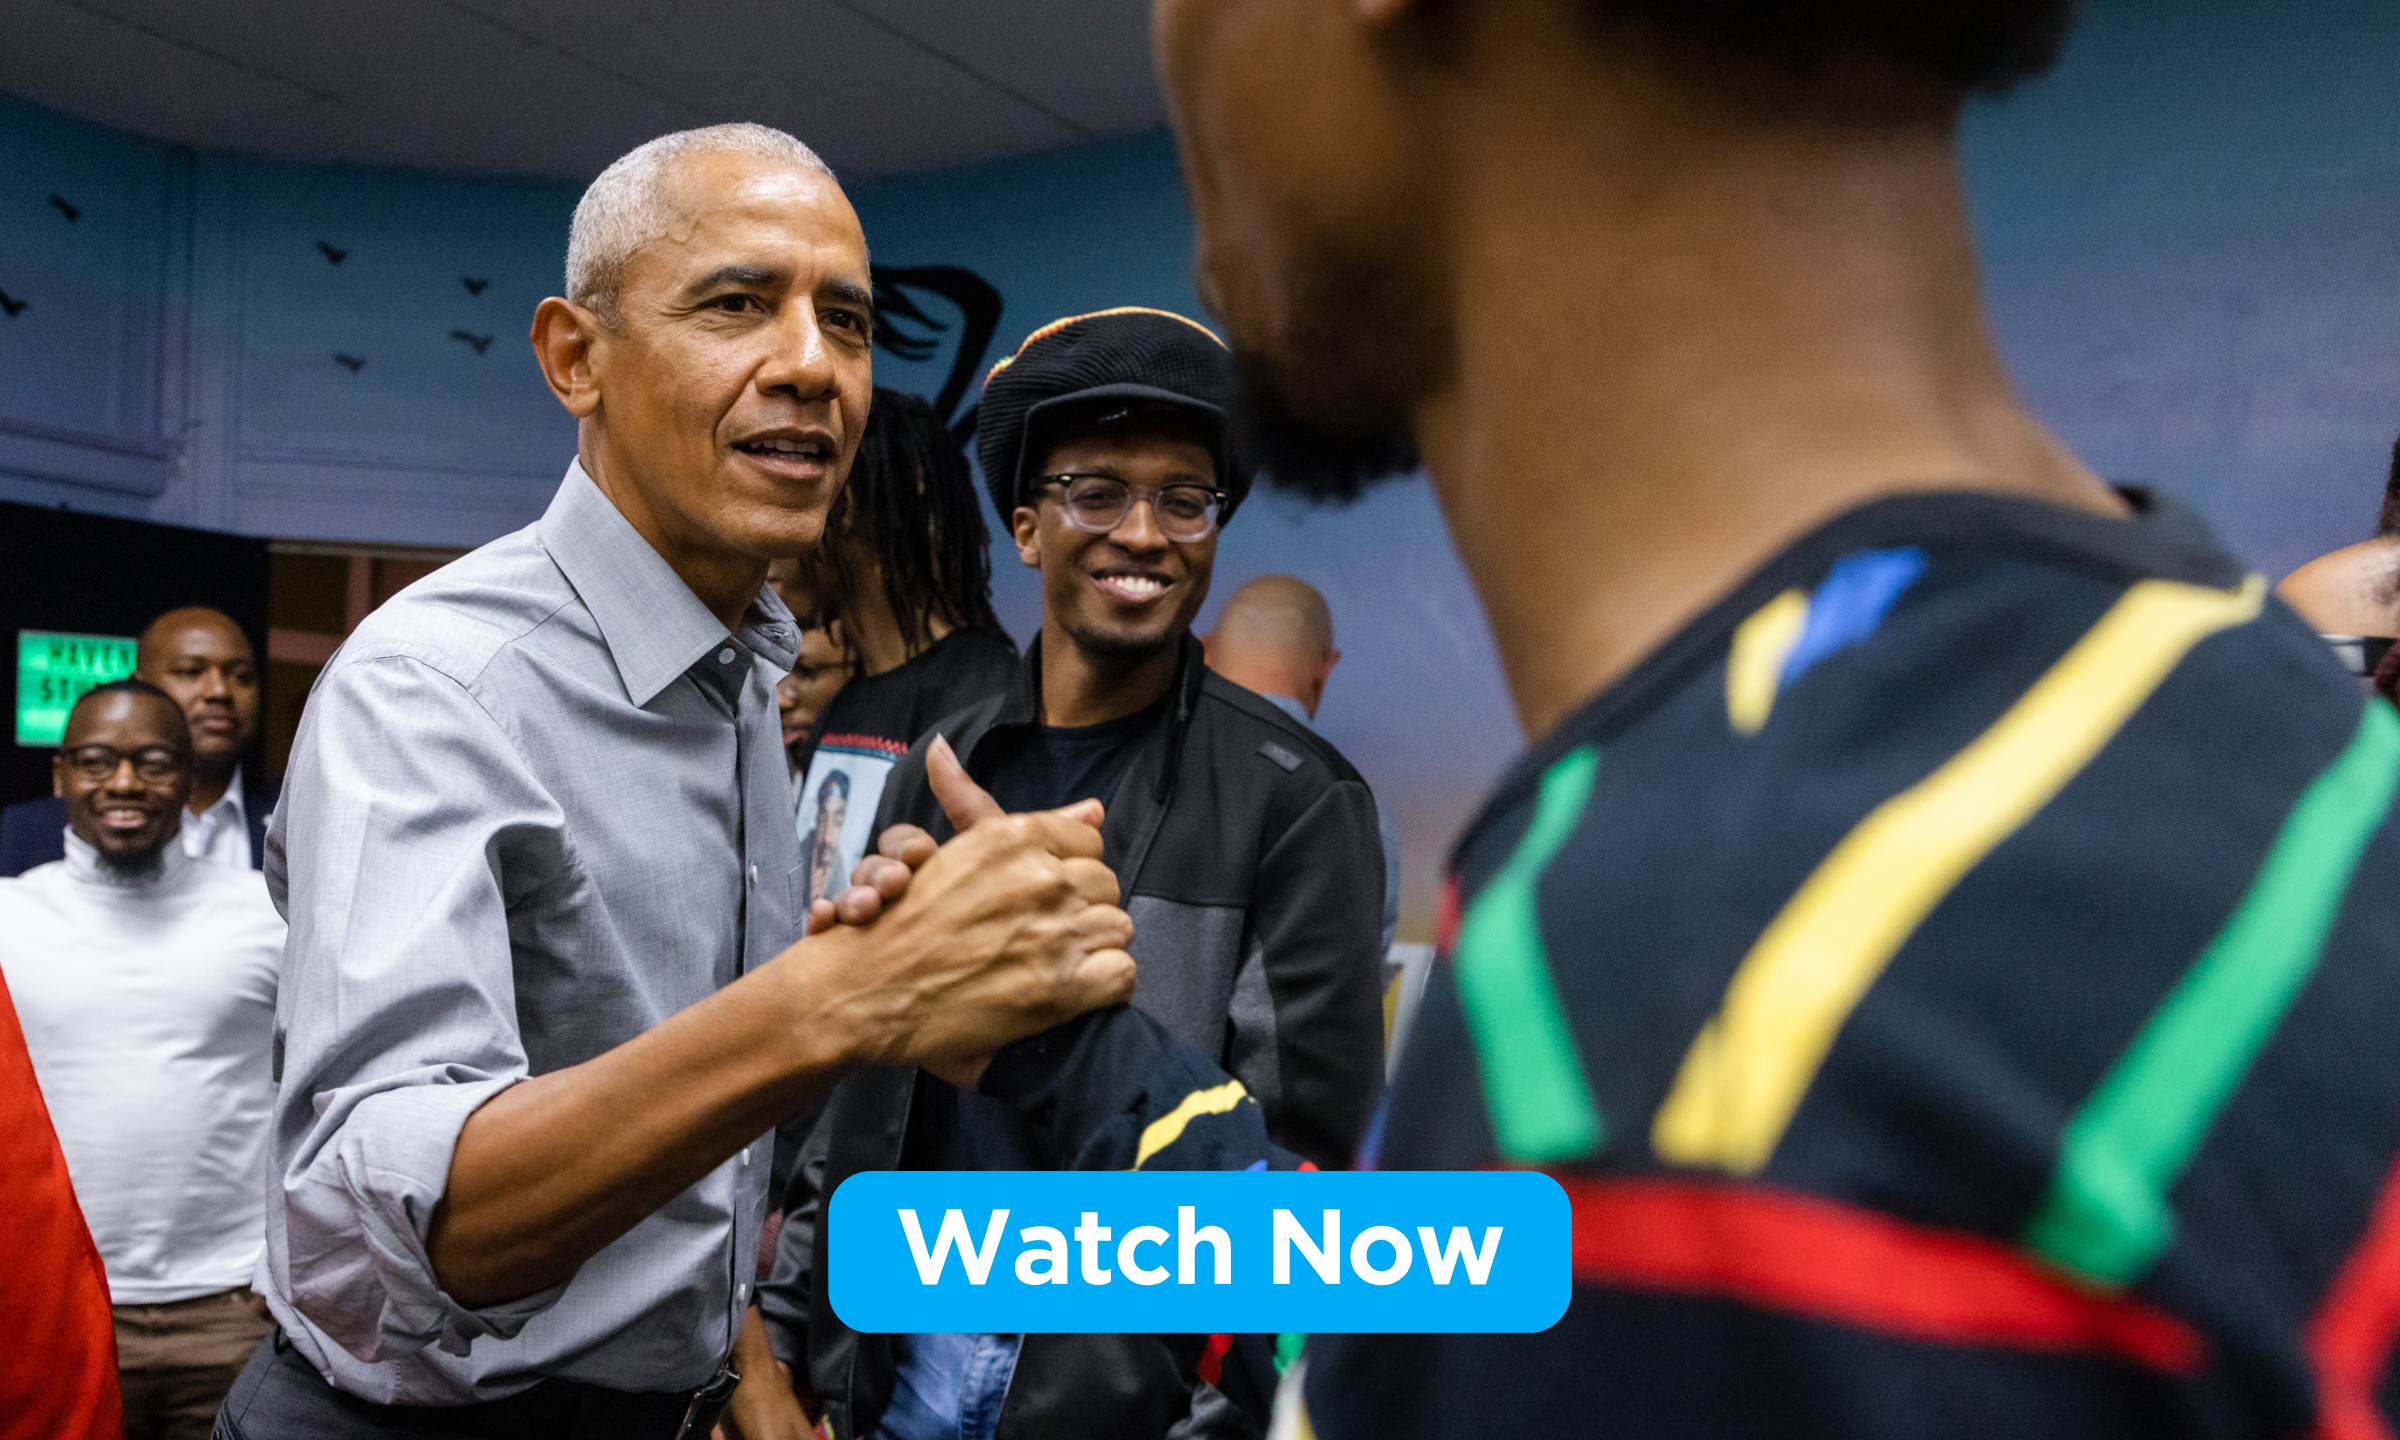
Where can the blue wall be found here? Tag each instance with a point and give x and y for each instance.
(175, 357)
(2190, 233)
(2191, 241)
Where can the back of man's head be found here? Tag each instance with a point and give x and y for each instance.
(1275, 636)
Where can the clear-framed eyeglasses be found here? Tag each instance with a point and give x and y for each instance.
(1097, 504)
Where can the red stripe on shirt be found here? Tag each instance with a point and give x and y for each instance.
(864, 742)
(2350, 1337)
(1445, 919)
(1784, 1251)
(1212, 1358)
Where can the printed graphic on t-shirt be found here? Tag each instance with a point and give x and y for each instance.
(836, 819)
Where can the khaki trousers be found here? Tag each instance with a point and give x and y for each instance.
(176, 1361)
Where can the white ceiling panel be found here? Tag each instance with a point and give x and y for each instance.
(542, 87)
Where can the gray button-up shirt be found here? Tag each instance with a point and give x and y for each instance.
(538, 804)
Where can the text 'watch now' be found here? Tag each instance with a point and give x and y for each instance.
(1194, 1251)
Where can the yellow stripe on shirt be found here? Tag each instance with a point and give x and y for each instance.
(1167, 1128)
(1754, 669)
(1745, 1073)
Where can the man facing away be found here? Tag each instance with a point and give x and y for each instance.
(1274, 638)
(1945, 936)
(546, 990)
(145, 980)
(204, 661)
(1246, 847)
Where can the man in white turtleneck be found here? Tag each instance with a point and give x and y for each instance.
(145, 980)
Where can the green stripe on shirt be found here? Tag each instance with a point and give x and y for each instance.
(1533, 1079)
(2106, 1216)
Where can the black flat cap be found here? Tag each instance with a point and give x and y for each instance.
(1130, 354)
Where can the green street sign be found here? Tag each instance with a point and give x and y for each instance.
(53, 671)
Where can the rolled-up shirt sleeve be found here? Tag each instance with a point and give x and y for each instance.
(410, 841)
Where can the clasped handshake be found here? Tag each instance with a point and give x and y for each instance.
(1010, 928)
(936, 956)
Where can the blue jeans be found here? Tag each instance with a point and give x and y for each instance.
(948, 1387)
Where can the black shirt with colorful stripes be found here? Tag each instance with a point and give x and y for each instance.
(1957, 980)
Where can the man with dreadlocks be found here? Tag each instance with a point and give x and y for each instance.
(906, 570)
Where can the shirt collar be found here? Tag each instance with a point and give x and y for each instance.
(83, 865)
(230, 802)
(654, 626)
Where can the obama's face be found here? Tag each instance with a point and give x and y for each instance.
(726, 395)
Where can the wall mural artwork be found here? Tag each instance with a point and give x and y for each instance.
(906, 329)
(12, 306)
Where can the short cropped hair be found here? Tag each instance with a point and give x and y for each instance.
(1965, 45)
(626, 208)
(129, 685)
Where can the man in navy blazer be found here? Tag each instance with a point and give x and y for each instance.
(203, 659)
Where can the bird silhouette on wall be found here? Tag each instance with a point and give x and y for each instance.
(332, 256)
(73, 213)
(12, 305)
(351, 363)
(474, 286)
(480, 342)
(904, 328)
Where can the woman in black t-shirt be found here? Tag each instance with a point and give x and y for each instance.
(904, 578)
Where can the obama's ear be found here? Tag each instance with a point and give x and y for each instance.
(564, 337)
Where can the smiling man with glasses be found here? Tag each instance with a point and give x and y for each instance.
(145, 979)
(1246, 848)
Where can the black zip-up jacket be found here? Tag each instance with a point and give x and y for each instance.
(1247, 851)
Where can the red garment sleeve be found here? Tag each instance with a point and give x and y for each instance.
(58, 1368)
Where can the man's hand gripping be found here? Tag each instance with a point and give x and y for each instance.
(1027, 894)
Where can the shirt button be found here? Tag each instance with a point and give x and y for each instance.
(725, 656)
(745, 1159)
(754, 874)
(741, 1293)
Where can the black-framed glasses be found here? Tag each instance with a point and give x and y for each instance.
(1097, 504)
(152, 764)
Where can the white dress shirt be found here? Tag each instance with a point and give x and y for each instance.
(538, 803)
(149, 1010)
(221, 832)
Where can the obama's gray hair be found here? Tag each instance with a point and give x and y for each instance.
(627, 207)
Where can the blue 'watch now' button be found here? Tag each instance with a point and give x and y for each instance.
(1191, 1251)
